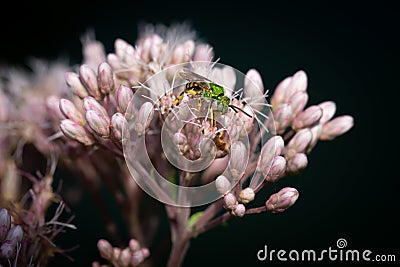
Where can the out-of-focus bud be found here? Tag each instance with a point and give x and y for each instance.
(297, 84)
(3, 107)
(328, 110)
(125, 51)
(277, 169)
(119, 127)
(144, 117)
(297, 163)
(299, 143)
(76, 132)
(316, 132)
(273, 147)
(282, 200)
(139, 256)
(105, 78)
(7, 251)
(246, 195)
(89, 80)
(114, 62)
(180, 139)
(254, 89)
(336, 127)
(93, 51)
(279, 94)
(116, 253)
(10, 183)
(98, 123)
(283, 117)
(238, 210)
(203, 53)
(134, 245)
(5, 223)
(75, 84)
(178, 55)
(238, 160)
(222, 184)
(105, 249)
(69, 110)
(229, 201)
(14, 235)
(124, 96)
(307, 118)
(125, 258)
(188, 48)
(298, 101)
(89, 103)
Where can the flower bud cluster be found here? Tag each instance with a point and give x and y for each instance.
(131, 256)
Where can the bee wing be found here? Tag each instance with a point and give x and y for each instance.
(192, 77)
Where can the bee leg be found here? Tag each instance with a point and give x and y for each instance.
(213, 123)
(199, 105)
(179, 98)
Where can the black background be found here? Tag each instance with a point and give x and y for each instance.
(350, 189)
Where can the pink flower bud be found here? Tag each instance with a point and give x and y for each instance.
(297, 84)
(203, 53)
(238, 160)
(69, 110)
(5, 223)
(105, 249)
(297, 163)
(144, 117)
(134, 245)
(124, 96)
(89, 80)
(316, 133)
(124, 258)
(76, 132)
(125, 51)
(254, 89)
(282, 200)
(328, 110)
(229, 201)
(119, 127)
(89, 103)
(336, 127)
(222, 184)
(75, 84)
(105, 78)
(307, 118)
(273, 147)
(98, 123)
(298, 143)
(277, 169)
(283, 117)
(279, 94)
(246, 195)
(238, 210)
(298, 101)
(139, 256)
(114, 62)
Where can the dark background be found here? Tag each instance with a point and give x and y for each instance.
(350, 189)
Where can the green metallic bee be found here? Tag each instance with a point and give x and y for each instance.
(201, 86)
